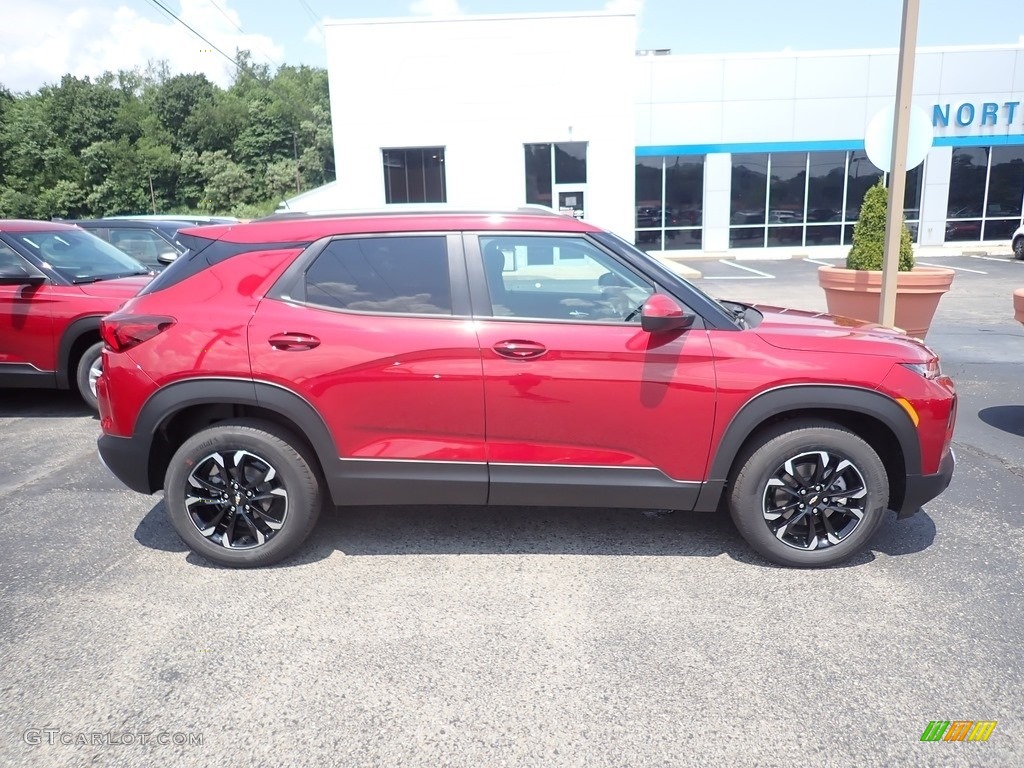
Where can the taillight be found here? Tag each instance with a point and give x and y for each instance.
(122, 332)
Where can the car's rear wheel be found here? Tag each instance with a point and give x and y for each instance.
(1018, 248)
(809, 494)
(243, 493)
(88, 372)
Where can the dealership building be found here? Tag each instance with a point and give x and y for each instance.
(675, 152)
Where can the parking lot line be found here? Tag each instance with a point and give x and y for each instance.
(958, 269)
(822, 263)
(757, 274)
(1003, 259)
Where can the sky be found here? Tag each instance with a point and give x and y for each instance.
(41, 40)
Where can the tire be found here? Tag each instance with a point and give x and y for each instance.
(776, 474)
(1018, 248)
(90, 365)
(264, 531)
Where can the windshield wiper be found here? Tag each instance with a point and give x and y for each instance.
(98, 278)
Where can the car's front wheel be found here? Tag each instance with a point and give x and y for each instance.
(1018, 248)
(243, 493)
(809, 494)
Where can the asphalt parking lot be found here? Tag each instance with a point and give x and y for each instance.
(509, 637)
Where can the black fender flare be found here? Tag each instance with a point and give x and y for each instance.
(797, 398)
(73, 333)
(174, 398)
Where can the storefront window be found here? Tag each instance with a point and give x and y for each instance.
(571, 162)
(414, 175)
(825, 189)
(1005, 193)
(649, 210)
(669, 202)
(787, 188)
(986, 188)
(749, 200)
(538, 174)
(812, 198)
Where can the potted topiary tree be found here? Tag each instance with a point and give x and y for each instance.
(855, 290)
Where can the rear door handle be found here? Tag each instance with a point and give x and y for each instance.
(293, 342)
(517, 349)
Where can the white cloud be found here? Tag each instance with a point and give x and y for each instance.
(435, 8)
(625, 6)
(67, 38)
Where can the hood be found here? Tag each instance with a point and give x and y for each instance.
(819, 332)
(119, 288)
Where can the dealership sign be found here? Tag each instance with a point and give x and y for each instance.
(985, 113)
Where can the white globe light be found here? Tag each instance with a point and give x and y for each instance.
(878, 138)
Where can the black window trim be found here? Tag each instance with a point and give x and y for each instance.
(290, 287)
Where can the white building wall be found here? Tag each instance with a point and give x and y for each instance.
(482, 87)
(805, 101)
(816, 96)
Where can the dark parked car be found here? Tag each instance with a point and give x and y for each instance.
(151, 241)
(505, 359)
(56, 282)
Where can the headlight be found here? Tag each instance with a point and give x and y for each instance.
(929, 370)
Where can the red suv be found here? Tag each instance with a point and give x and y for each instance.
(503, 359)
(56, 282)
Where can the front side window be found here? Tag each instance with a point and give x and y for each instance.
(560, 278)
(78, 256)
(414, 175)
(401, 275)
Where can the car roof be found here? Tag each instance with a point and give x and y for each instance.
(198, 219)
(299, 227)
(33, 225)
(126, 223)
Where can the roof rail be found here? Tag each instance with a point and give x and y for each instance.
(410, 209)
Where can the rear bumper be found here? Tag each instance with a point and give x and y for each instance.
(126, 460)
(923, 488)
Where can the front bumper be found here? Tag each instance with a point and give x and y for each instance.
(126, 460)
(923, 488)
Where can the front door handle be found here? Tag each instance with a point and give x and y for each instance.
(293, 342)
(517, 349)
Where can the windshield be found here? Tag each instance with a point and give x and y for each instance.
(78, 256)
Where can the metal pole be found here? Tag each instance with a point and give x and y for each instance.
(898, 174)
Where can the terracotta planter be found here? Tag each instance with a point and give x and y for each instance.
(857, 294)
(1018, 305)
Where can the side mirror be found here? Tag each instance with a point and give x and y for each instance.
(167, 257)
(662, 314)
(16, 276)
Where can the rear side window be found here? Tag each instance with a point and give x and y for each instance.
(202, 253)
(401, 275)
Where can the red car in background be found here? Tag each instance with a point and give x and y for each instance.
(56, 282)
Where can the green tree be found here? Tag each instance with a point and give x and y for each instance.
(226, 182)
(868, 248)
(145, 140)
(177, 99)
